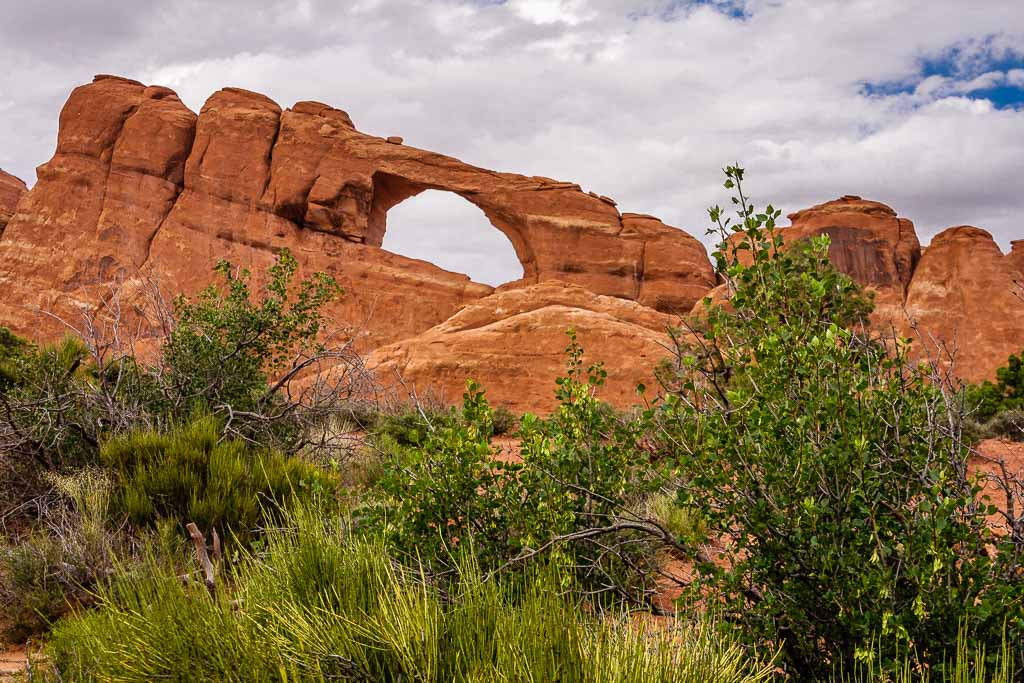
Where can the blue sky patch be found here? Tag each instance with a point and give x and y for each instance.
(1000, 73)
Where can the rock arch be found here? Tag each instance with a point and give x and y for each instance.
(140, 183)
(347, 180)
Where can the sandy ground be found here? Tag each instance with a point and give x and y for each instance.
(13, 661)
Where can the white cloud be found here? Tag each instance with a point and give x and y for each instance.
(644, 101)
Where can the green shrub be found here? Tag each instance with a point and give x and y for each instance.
(444, 486)
(504, 421)
(967, 662)
(584, 469)
(320, 605)
(409, 426)
(193, 474)
(581, 468)
(1008, 424)
(815, 451)
(686, 524)
(225, 345)
(12, 350)
(986, 400)
(47, 421)
(34, 586)
(224, 352)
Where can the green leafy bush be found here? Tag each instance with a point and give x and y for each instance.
(581, 469)
(225, 344)
(449, 488)
(815, 451)
(986, 400)
(192, 474)
(584, 469)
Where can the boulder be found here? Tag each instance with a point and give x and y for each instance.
(963, 297)
(513, 343)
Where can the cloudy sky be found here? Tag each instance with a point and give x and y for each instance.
(916, 103)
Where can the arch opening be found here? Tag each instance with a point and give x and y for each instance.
(443, 228)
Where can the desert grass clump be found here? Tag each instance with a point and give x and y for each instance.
(52, 568)
(318, 603)
(193, 474)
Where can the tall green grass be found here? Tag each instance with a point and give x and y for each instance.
(968, 662)
(318, 604)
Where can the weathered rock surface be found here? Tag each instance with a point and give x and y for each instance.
(513, 342)
(11, 190)
(1016, 258)
(89, 220)
(869, 242)
(963, 295)
(958, 292)
(141, 185)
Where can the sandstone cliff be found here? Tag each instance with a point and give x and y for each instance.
(142, 189)
(963, 296)
(140, 184)
(958, 294)
(869, 242)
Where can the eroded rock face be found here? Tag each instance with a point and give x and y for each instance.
(869, 242)
(141, 189)
(963, 295)
(11, 190)
(89, 219)
(513, 342)
(141, 185)
(960, 292)
(1016, 259)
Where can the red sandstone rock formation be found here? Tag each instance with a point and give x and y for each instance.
(11, 190)
(513, 342)
(869, 242)
(963, 294)
(959, 292)
(141, 184)
(1016, 258)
